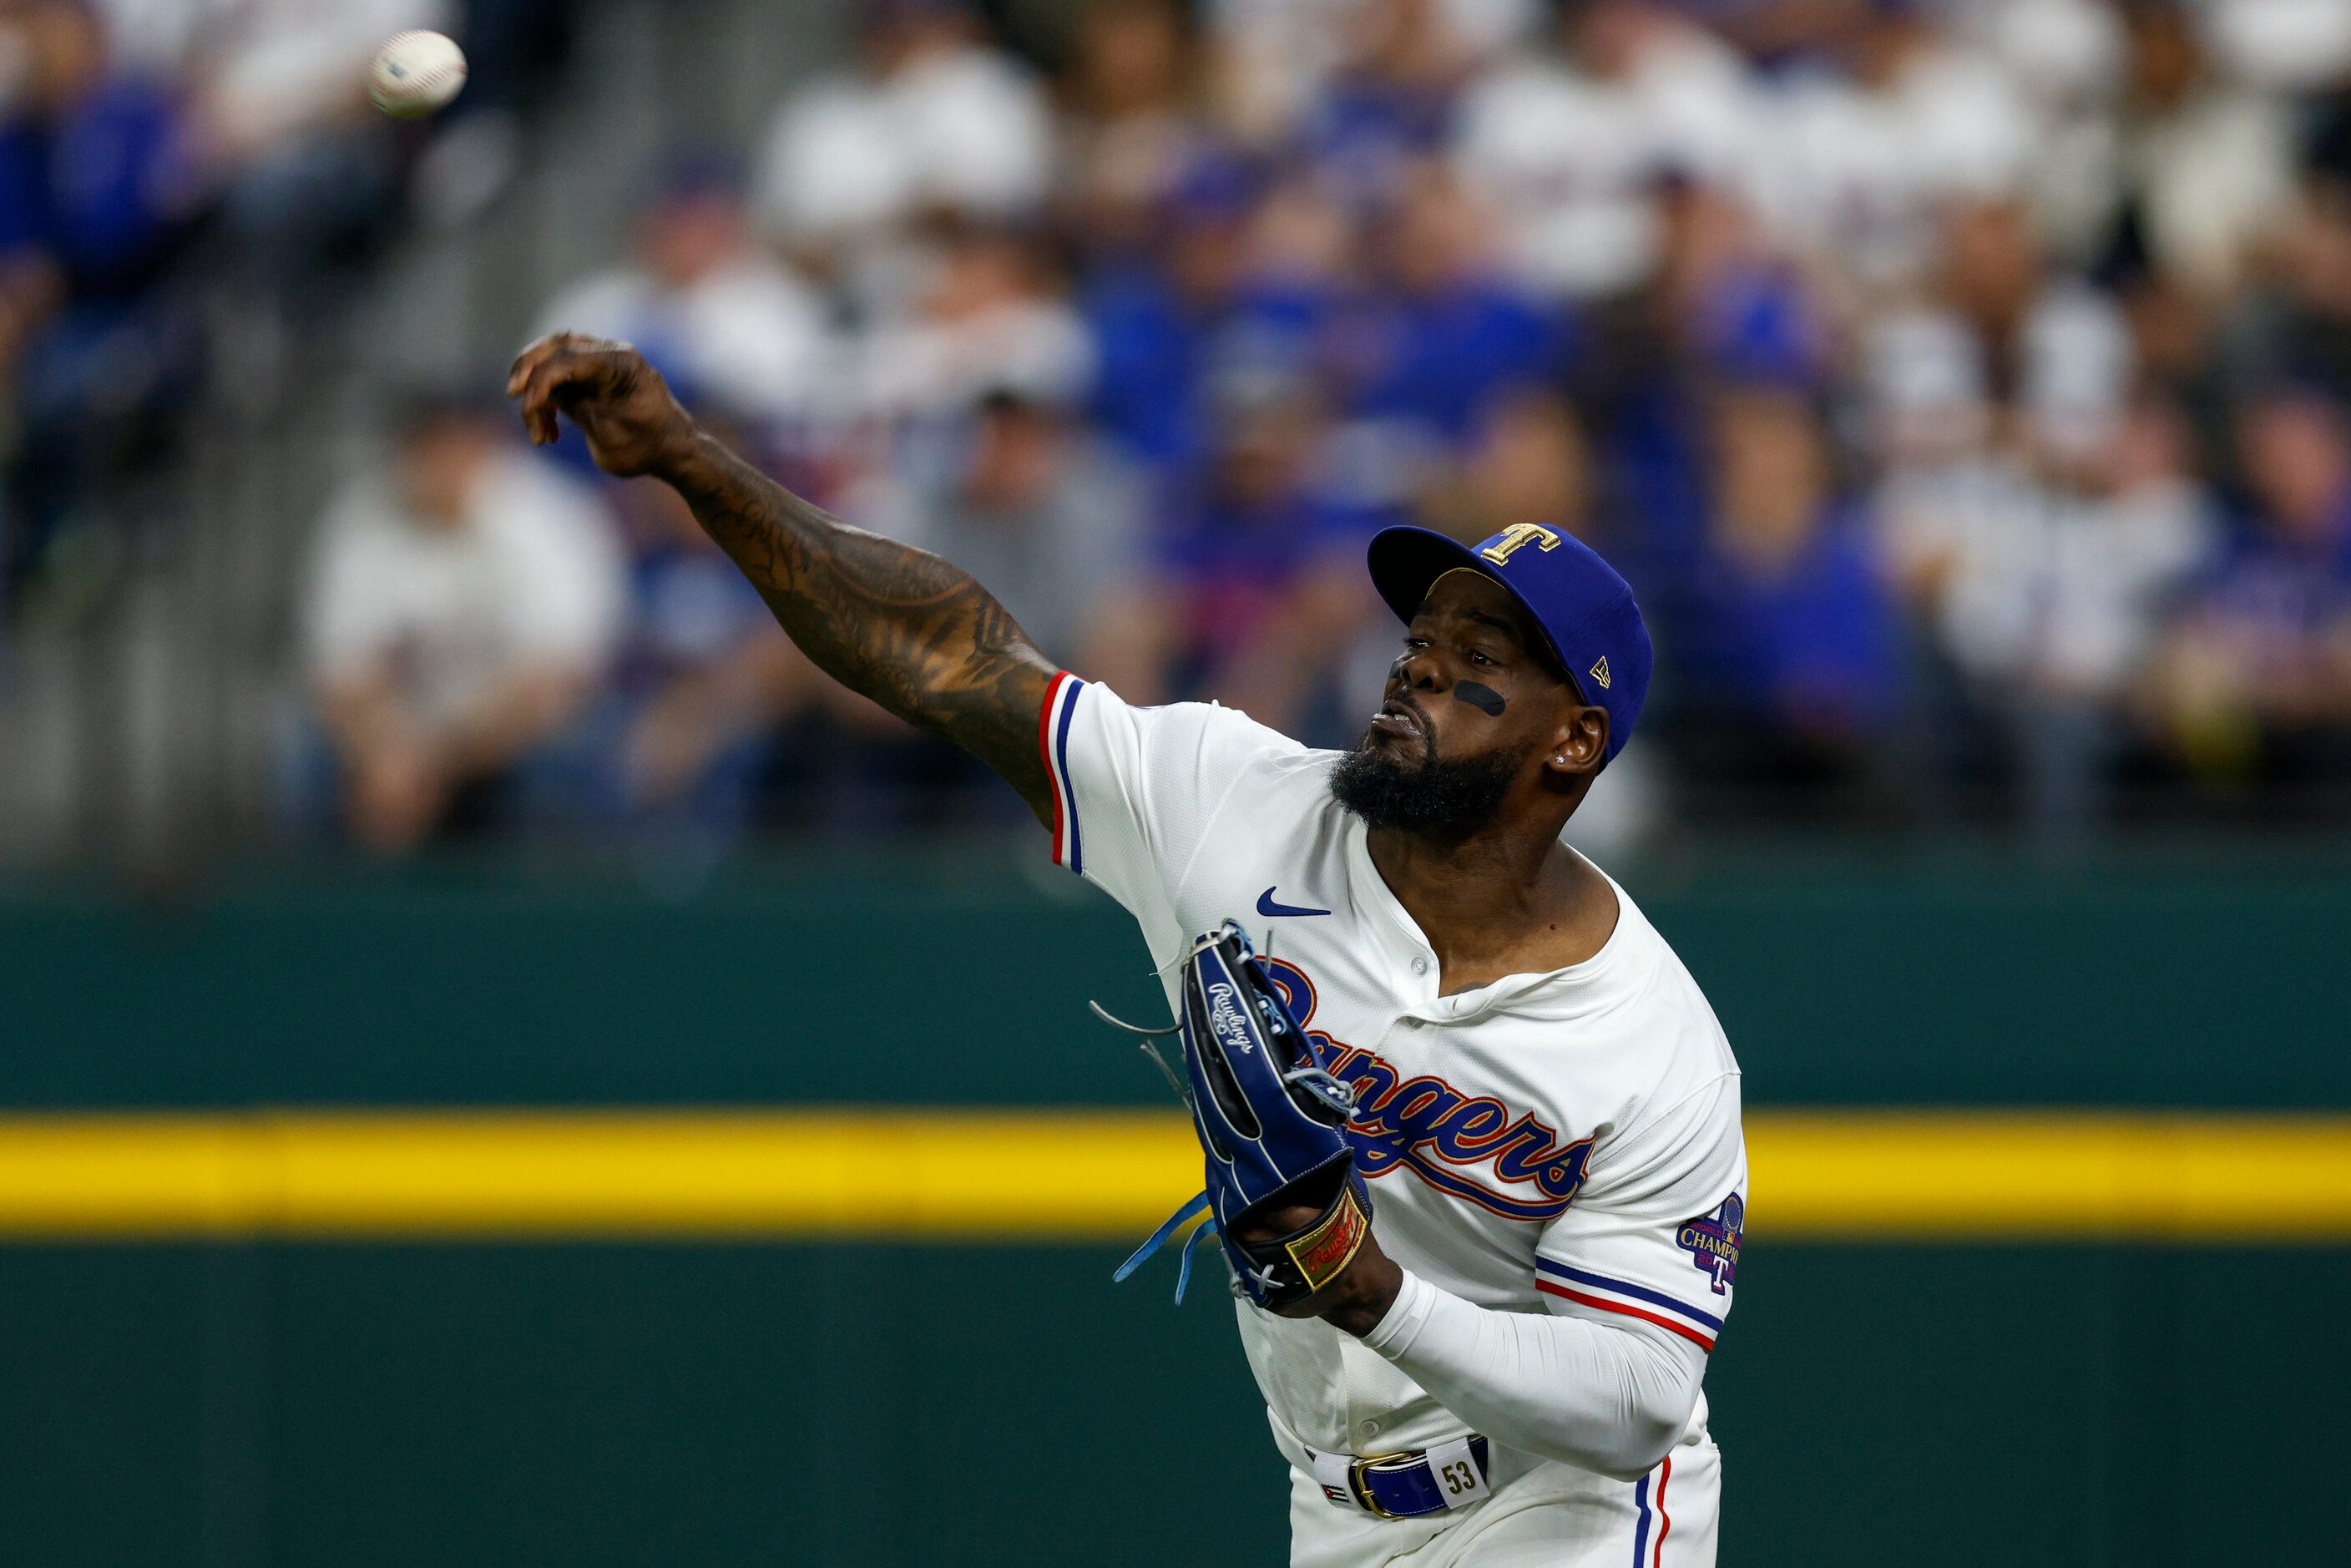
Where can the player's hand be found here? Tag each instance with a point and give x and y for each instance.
(1362, 1294)
(620, 402)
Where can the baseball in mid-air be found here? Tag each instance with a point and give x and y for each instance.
(415, 73)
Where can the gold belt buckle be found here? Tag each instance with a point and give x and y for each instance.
(1356, 1482)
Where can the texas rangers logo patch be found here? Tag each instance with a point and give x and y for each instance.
(1712, 1241)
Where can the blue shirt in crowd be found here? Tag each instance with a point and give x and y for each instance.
(1814, 644)
(97, 189)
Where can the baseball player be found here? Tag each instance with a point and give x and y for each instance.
(1505, 1366)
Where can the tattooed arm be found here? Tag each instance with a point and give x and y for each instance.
(899, 625)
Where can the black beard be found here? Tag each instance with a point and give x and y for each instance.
(1434, 795)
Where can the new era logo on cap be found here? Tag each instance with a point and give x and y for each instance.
(1600, 672)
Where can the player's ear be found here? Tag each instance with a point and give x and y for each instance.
(1580, 743)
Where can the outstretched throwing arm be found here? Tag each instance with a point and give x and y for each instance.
(915, 633)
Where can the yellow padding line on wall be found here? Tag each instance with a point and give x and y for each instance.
(1011, 1175)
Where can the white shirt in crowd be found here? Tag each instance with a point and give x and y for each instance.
(967, 128)
(750, 334)
(1570, 159)
(1277, 58)
(1865, 174)
(922, 367)
(2211, 176)
(2290, 46)
(532, 577)
(2032, 581)
(276, 67)
(2041, 587)
(1555, 1159)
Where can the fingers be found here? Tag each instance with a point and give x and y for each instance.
(526, 382)
(538, 354)
(526, 362)
(547, 367)
(564, 368)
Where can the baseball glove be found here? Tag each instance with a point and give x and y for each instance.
(1272, 1120)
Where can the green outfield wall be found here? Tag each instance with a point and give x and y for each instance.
(858, 1405)
(966, 982)
(240, 1404)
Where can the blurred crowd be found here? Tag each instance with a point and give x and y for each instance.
(1963, 387)
(162, 161)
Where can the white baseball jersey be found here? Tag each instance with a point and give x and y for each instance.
(1566, 1141)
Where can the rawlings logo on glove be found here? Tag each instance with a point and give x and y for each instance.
(1272, 1120)
(1225, 1018)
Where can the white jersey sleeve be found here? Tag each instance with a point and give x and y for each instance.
(1137, 790)
(1655, 1233)
(1612, 1398)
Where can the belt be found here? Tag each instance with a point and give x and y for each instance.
(1407, 1485)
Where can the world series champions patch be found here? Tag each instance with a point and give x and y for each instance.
(1712, 1241)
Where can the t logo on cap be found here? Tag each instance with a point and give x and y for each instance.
(1510, 540)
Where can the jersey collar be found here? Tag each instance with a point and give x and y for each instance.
(1550, 992)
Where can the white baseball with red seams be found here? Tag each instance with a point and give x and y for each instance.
(1556, 1160)
(415, 73)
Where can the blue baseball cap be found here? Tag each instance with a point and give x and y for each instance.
(1583, 607)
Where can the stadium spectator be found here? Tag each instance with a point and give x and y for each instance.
(464, 603)
(1570, 148)
(1133, 126)
(1721, 308)
(1528, 461)
(1266, 563)
(95, 192)
(2115, 547)
(724, 320)
(1979, 291)
(674, 754)
(1859, 160)
(1995, 398)
(1787, 671)
(2283, 46)
(1155, 319)
(2205, 165)
(1427, 348)
(1390, 103)
(2067, 58)
(281, 107)
(2255, 683)
(2299, 327)
(274, 72)
(1275, 60)
(935, 121)
(1057, 525)
(993, 315)
(1272, 62)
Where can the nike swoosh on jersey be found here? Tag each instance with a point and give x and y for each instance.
(1265, 905)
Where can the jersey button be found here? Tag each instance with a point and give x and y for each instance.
(1366, 1430)
(1420, 966)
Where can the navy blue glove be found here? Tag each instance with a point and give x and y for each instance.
(1272, 1120)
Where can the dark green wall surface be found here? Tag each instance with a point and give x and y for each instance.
(282, 1406)
(967, 982)
(399, 1406)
